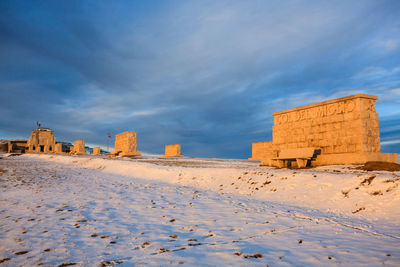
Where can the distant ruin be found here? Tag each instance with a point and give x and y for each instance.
(42, 140)
(339, 131)
(58, 148)
(14, 146)
(173, 150)
(125, 145)
(96, 151)
(78, 148)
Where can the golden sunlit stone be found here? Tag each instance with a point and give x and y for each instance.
(343, 131)
(96, 151)
(125, 145)
(42, 140)
(173, 150)
(78, 148)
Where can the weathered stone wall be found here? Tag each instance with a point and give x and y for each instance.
(3, 147)
(343, 125)
(126, 143)
(173, 150)
(79, 147)
(262, 150)
(58, 148)
(345, 130)
(96, 151)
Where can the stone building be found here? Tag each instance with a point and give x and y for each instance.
(42, 140)
(13, 146)
(173, 150)
(125, 145)
(339, 131)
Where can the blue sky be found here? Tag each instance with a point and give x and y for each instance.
(205, 74)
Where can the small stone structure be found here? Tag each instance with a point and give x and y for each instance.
(125, 145)
(15, 146)
(173, 150)
(78, 148)
(42, 140)
(339, 131)
(96, 151)
(261, 150)
(3, 146)
(58, 148)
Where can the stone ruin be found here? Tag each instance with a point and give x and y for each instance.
(96, 151)
(78, 148)
(339, 131)
(14, 146)
(125, 145)
(42, 140)
(173, 150)
(58, 148)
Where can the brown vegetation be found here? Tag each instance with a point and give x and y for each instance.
(380, 166)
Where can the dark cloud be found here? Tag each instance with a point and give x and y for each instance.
(204, 74)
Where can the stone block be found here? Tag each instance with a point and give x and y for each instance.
(173, 150)
(78, 148)
(96, 151)
(58, 148)
(126, 145)
(347, 125)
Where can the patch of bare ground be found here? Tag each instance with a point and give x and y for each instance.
(380, 166)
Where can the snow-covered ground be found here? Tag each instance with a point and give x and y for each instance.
(94, 211)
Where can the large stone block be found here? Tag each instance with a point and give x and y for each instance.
(344, 126)
(173, 150)
(58, 148)
(79, 148)
(126, 145)
(96, 151)
(262, 150)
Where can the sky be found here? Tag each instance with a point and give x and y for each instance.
(205, 74)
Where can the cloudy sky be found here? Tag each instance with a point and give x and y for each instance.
(205, 74)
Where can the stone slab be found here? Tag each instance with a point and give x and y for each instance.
(96, 151)
(173, 150)
(346, 128)
(125, 145)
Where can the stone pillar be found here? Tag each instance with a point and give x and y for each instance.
(126, 145)
(96, 151)
(173, 150)
(79, 147)
(58, 148)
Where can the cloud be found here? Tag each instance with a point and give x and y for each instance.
(204, 74)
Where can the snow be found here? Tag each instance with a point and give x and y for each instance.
(153, 211)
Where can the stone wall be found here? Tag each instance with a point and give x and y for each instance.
(173, 150)
(126, 144)
(262, 150)
(58, 148)
(4, 147)
(96, 151)
(343, 125)
(79, 147)
(346, 130)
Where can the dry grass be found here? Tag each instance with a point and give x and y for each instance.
(380, 166)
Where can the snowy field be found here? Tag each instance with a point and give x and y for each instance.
(92, 211)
